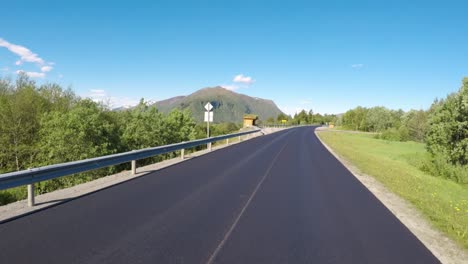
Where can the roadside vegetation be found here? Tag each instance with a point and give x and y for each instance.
(421, 155)
(302, 118)
(443, 128)
(47, 124)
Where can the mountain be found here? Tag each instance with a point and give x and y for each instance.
(122, 108)
(228, 106)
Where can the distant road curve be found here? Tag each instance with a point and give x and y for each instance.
(279, 198)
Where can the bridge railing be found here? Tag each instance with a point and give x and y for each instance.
(34, 175)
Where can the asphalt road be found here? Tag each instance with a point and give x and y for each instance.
(280, 198)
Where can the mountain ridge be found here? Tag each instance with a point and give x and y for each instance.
(228, 106)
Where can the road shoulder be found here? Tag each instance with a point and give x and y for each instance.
(446, 250)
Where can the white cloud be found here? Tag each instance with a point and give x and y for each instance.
(357, 66)
(101, 96)
(126, 102)
(32, 74)
(46, 68)
(243, 79)
(239, 81)
(97, 93)
(4, 69)
(25, 54)
(305, 102)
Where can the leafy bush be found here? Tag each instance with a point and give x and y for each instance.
(447, 137)
(374, 119)
(6, 197)
(44, 125)
(416, 123)
(304, 118)
(393, 134)
(224, 128)
(86, 131)
(438, 166)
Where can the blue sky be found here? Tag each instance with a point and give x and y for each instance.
(328, 56)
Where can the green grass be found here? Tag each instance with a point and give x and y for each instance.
(396, 165)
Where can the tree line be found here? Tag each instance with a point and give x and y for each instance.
(443, 128)
(46, 124)
(393, 124)
(302, 118)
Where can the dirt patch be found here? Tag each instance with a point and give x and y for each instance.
(445, 249)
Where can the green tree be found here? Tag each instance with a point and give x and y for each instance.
(58, 98)
(86, 131)
(179, 127)
(355, 118)
(20, 110)
(447, 136)
(378, 119)
(302, 118)
(144, 127)
(270, 121)
(281, 117)
(416, 123)
(326, 118)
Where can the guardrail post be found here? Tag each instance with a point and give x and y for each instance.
(31, 195)
(209, 146)
(133, 167)
(182, 152)
(240, 139)
(227, 141)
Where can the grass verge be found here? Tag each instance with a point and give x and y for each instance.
(396, 165)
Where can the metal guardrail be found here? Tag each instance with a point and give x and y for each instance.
(31, 176)
(284, 125)
(276, 126)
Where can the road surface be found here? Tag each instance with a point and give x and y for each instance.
(279, 198)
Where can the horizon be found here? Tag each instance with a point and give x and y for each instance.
(327, 56)
(220, 87)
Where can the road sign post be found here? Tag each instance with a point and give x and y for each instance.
(208, 119)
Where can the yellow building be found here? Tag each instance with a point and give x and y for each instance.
(249, 120)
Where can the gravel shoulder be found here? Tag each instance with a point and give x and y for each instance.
(446, 250)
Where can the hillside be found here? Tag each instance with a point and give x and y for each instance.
(228, 105)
